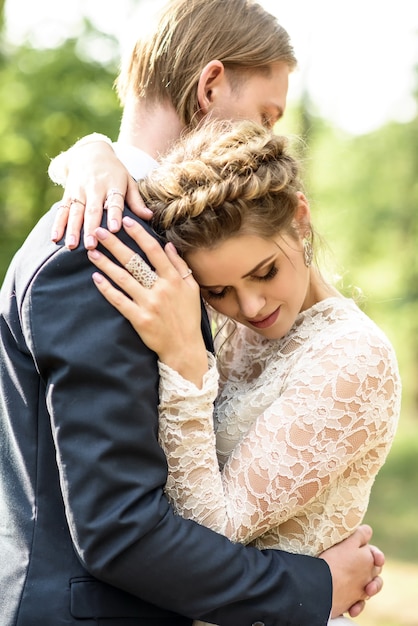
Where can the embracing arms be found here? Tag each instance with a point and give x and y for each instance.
(102, 394)
(328, 414)
(137, 311)
(318, 441)
(343, 576)
(101, 388)
(89, 171)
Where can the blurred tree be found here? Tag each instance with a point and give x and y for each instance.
(48, 99)
(2, 3)
(367, 189)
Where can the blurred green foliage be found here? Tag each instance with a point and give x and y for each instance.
(364, 199)
(48, 99)
(393, 507)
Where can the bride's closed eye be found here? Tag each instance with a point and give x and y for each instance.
(218, 295)
(272, 272)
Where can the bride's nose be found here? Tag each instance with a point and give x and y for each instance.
(251, 303)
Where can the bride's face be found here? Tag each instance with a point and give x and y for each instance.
(261, 283)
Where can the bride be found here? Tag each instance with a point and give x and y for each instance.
(276, 441)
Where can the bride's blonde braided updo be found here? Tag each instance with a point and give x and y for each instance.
(223, 179)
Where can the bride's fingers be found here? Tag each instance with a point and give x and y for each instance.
(165, 266)
(61, 219)
(69, 220)
(115, 203)
(150, 246)
(120, 250)
(177, 262)
(119, 275)
(75, 221)
(135, 202)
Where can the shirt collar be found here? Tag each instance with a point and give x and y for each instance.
(137, 162)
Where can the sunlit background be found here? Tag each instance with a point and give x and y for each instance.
(356, 57)
(354, 96)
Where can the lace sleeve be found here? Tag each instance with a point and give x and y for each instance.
(337, 402)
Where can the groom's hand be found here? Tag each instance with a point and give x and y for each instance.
(355, 568)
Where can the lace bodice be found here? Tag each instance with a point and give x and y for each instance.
(302, 424)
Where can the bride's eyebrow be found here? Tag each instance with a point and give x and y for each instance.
(257, 267)
(252, 271)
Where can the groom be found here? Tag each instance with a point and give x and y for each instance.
(86, 533)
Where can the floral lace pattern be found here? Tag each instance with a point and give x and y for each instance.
(300, 429)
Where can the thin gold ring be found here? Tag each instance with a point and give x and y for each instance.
(189, 271)
(113, 192)
(77, 201)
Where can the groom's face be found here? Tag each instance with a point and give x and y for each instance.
(257, 96)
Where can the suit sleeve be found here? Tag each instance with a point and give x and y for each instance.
(102, 393)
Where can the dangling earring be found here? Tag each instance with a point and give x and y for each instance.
(307, 249)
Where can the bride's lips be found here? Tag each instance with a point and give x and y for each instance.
(267, 321)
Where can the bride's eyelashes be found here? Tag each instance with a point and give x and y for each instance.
(270, 274)
(218, 295)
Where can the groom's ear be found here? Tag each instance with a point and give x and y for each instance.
(212, 87)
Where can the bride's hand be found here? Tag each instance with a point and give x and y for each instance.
(167, 315)
(95, 180)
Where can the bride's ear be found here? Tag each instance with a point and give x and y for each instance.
(303, 214)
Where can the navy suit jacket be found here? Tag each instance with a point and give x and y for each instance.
(86, 533)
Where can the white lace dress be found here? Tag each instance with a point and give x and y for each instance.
(301, 427)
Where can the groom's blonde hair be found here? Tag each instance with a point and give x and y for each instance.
(166, 65)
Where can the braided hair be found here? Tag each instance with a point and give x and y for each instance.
(224, 179)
